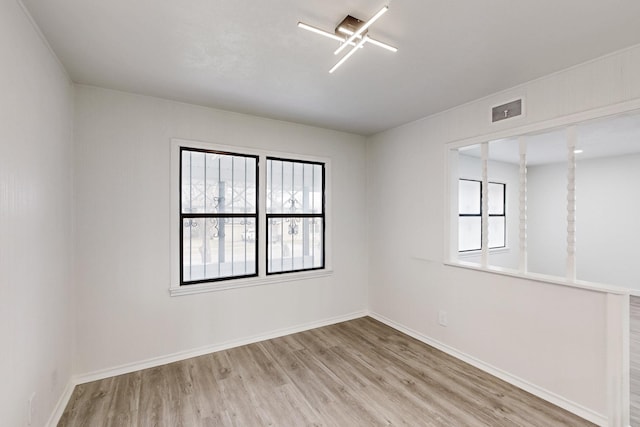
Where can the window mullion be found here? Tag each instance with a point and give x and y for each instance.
(262, 217)
(204, 222)
(190, 210)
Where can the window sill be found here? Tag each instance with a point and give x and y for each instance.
(245, 283)
(580, 284)
(470, 254)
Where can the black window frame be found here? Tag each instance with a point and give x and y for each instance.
(182, 216)
(503, 214)
(321, 215)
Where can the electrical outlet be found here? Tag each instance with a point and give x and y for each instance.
(30, 403)
(442, 318)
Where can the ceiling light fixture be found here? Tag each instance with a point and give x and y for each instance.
(382, 45)
(321, 32)
(370, 40)
(362, 29)
(351, 32)
(348, 55)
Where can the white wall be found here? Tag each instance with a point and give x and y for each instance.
(547, 219)
(607, 227)
(36, 236)
(122, 162)
(552, 337)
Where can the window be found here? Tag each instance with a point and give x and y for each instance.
(295, 215)
(218, 214)
(470, 215)
(243, 217)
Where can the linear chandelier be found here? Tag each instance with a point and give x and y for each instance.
(351, 32)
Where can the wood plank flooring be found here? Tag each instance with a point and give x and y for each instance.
(634, 359)
(356, 373)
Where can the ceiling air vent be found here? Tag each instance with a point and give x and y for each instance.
(506, 111)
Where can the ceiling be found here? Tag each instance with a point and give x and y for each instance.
(606, 137)
(249, 56)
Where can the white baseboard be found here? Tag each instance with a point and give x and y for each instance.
(61, 405)
(182, 355)
(551, 397)
(163, 360)
(540, 392)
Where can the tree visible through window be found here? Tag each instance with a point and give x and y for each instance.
(470, 215)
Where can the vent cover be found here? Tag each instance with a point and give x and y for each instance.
(506, 111)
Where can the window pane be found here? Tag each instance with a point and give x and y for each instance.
(218, 247)
(312, 188)
(243, 188)
(496, 198)
(286, 188)
(274, 186)
(297, 189)
(469, 233)
(212, 177)
(218, 183)
(185, 182)
(469, 197)
(496, 232)
(294, 187)
(308, 184)
(318, 188)
(224, 185)
(193, 181)
(294, 244)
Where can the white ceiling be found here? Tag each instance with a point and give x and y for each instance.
(249, 56)
(607, 137)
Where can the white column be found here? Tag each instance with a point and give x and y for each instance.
(617, 337)
(452, 218)
(523, 204)
(485, 203)
(571, 203)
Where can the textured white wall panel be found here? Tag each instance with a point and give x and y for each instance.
(36, 215)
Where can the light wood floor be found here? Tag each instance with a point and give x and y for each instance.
(356, 373)
(634, 359)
